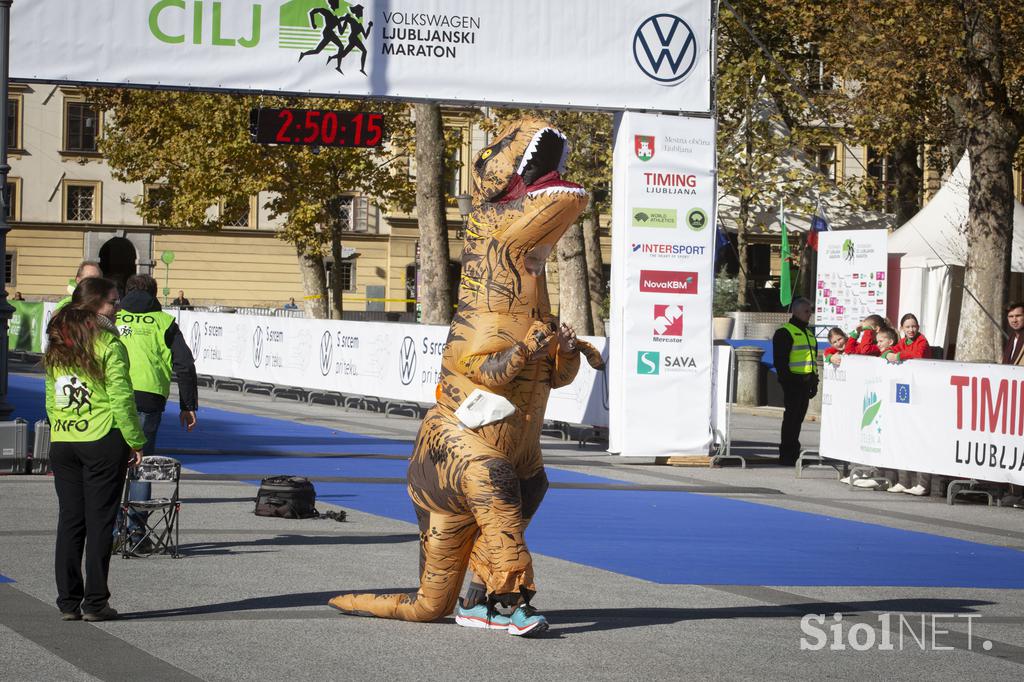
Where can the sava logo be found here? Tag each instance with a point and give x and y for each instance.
(668, 282)
(407, 361)
(326, 353)
(650, 362)
(665, 48)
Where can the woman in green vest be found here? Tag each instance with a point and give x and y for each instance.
(95, 435)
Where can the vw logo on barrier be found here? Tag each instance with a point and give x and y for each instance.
(407, 360)
(195, 338)
(665, 48)
(257, 346)
(326, 352)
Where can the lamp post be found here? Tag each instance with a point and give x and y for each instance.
(465, 202)
(6, 310)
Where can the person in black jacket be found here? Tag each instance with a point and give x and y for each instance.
(794, 353)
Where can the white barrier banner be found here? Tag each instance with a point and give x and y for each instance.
(641, 54)
(852, 280)
(956, 419)
(392, 361)
(662, 285)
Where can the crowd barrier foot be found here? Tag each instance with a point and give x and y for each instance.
(289, 393)
(560, 429)
(812, 459)
(967, 487)
(226, 384)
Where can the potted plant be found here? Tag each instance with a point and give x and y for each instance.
(726, 300)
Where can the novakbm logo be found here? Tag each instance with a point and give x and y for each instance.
(665, 48)
(407, 361)
(326, 353)
(257, 347)
(648, 362)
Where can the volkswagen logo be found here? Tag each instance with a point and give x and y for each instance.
(194, 339)
(665, 48)
(407, 361)
(257, 347)
(326, 353)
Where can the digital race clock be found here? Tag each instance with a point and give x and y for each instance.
(318, 127)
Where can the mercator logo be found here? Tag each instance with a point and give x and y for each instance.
(668, 320)
(407, 361)
(665, 48)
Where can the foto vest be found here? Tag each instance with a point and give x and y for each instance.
(82, 409)
(144, 335)
(802, 354)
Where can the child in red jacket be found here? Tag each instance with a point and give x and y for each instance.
(913, 345)
(841, 344)
(864, 336)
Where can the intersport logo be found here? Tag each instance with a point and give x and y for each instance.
(663, 250)
(668, 282)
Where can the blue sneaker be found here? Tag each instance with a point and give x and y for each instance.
(481, 616)
(526, 622)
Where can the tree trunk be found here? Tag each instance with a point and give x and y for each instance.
(909, 179)
(435, 297)
(595, 270)
(573, 289)
(993, 136)
(337, 303)
(314, 282)
(742, 281)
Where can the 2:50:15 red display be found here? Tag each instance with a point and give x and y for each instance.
(318, 127)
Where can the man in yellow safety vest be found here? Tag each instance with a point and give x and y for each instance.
(795, 354)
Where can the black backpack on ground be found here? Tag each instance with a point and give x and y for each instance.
(288, 497)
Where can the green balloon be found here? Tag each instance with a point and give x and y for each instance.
(167, 257)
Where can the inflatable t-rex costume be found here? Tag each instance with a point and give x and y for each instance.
(475, 490)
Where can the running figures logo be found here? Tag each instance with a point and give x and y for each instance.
(71, 393)
(407, 361)
(337, 29)
(665, 48)
(257, 347)
(326, 353)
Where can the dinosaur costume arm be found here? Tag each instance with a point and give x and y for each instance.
(566, 367)
(492, 367)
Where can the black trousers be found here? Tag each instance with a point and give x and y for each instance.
(89, 478)
(796, 395)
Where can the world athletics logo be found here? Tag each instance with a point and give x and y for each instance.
(665, 48)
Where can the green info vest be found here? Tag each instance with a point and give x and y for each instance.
(805, 348)
(83, 409)
(144, 334)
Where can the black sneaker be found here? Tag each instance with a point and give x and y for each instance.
(106, 613)
(71, 615)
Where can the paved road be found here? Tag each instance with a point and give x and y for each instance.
(248, 599)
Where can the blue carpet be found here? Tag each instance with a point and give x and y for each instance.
(5, 579)
(664, 537)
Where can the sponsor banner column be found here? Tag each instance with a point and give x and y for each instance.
(662, 284)
(851, 278)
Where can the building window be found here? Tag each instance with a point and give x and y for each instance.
(453, 169)
(81, 203)
(349, 214)
(824, 159)
(81, 127)
(10, 197)
(347, 272)
(10, 269)
(816, 77)
(237, 213)
(879, 188)
(14, 123)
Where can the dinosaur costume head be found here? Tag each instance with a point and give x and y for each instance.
(522, 207)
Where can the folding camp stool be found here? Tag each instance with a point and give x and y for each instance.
(157, 517)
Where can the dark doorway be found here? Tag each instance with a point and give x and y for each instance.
(117, 260)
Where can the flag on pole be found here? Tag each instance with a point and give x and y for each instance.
(818, 224)
(785, 288)
(721, 241)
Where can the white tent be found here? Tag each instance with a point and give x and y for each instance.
(932, 250)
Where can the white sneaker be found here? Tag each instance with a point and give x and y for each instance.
(916, 490)
(865, 483)
(898, 488)
(845, 481)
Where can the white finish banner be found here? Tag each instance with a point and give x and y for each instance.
(956, 419)
(641, 54)
(400, 362)
(662, 285)
(852, 280)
